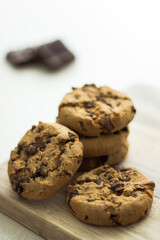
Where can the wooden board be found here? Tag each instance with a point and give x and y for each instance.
(52, 218)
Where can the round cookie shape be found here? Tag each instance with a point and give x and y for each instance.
(45, 159)
(112, 159)
(92, 110)
(108, 196)
(105, 144)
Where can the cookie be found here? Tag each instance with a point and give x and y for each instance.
(108, 196)
(92, 110)
(45, 159)
(105, 144)
(114, 158)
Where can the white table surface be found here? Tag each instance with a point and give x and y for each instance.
(116, 43)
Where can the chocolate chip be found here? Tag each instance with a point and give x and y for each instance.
(33, 127)
(125, 179)
(17, 183)
(13, 159)
(86, 218)
(116, 186)
(59, 163)
(109, 104)
(145, 212)
(89, 113)
(48, 140)
(116, 132)
(73, 194)
(98, 181)
(100, 97)
(112, 216)
(106, 167)
(117, 168)
(36, 174)
(90, 200)
(79, 160)
(20, 189)
(31, 150)
(20, 170)
(41, 146)
(89, 85)
(71, 136)
(14, 182)
(38, 139)
(141, 185)
(89, 105)
(19, 149)
(76, 96)
(110, 177)
(40, 128)
(115, 97)
(24, 179)
(125, 129)
(133, 110)
(83, 126)
(134, 195)
(119, 192)
(87, 179)
(73, 88)
(22, 57)
(62, 149)
(43, 171)
(106, 123)
(123, 169)
(26, 161)
(118, 104)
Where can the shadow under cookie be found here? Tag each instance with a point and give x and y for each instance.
(112, 159)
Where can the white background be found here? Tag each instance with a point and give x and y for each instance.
(116, 43)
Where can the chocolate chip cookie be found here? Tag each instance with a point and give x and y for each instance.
(45, 159)
(105, 144)
(114, 158)
(92, 110)
(106, 196)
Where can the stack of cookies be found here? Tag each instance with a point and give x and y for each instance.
(49, 155)
(100, 116)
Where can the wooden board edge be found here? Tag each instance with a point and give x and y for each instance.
(47, 231)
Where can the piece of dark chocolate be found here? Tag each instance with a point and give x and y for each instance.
(21, 57)
(54, 55)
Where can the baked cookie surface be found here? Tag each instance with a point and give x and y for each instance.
(45, 159)
(92, 110)
(113, 158)
(105, 144)
(108, 196)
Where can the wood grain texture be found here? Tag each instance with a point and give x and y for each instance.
(52, 218)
